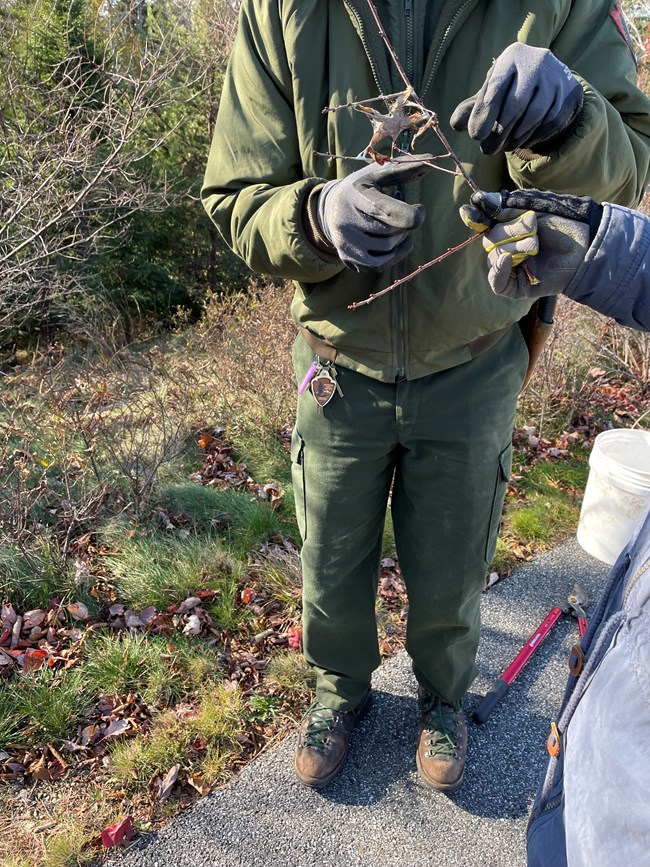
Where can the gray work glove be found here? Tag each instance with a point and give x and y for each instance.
(535, 241)
(528, 100)
(368, 227)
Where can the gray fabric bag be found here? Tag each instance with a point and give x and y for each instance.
(593, 806)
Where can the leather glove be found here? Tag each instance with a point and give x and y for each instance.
(548, 233)
(528, 100)
(367, 227)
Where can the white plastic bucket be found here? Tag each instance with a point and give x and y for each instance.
(617, 495)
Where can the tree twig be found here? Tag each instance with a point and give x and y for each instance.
(413, 274)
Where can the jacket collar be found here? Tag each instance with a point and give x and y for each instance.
(452, 15)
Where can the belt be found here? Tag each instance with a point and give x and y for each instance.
(328, 352)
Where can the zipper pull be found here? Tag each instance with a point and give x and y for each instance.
(408, 8)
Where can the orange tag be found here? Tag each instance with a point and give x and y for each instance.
(553, 744)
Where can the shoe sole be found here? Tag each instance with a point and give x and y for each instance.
(321, 782)
(436, 787)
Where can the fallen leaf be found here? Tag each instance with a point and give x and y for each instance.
(168, 783)
(41, 770)
(87, 734)
(15, 632)
(33, 618)
(148, 614)
(197, 782)
(78, 610)
(294, 637)
(193, 625)
(34, 659)
(8, 615)
(116, 728)
(206, 440)
(113, 834)
(5, 658)
(187, 604)
(275, 495)
(133, 621)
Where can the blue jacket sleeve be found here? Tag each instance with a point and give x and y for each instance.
(614, 278)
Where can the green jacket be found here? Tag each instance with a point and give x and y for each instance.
(292, 58)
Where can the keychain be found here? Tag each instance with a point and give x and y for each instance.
(322, 381)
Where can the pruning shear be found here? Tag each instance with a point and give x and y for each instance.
(575, 600)
(491, 205)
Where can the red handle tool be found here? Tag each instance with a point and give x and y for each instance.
(501, 686)
(582, 626)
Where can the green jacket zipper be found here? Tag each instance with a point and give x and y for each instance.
(404, 143)
(439, 52)
(366, 47)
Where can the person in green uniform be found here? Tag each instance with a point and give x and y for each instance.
(412, 397)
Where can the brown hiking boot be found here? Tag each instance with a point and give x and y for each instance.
(323, 742)
(442, 745)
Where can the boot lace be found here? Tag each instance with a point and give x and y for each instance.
(441, 726)
(320, 722)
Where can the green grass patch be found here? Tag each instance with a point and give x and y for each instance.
(267, 460)
(245, 522)
(68, 847)
(289, 671)
(279, 573)
(212, 731)
(264, 456)
(388, 541)
(503, 560)
(147, 666)
(548, 478)
(545, 512)
(542, 521)
(551, 505)
(10, 723)
(46, 706)
(157, 567)
(35, 573)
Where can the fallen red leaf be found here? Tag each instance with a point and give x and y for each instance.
(34, 659)
(113, 834)
(206, 440)
(294, 637)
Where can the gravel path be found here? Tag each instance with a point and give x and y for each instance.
(375, 814)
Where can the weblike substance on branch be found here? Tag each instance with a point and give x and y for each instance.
(406, 113)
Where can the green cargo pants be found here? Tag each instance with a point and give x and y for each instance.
(443, 443)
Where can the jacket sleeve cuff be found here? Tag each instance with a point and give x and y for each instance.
(310, 228)
(612, 277)
(546, 147)
(524, 161)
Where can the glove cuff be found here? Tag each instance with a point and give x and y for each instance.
(581, 208)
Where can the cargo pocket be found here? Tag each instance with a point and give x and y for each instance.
(298, 479)
(500, 487)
